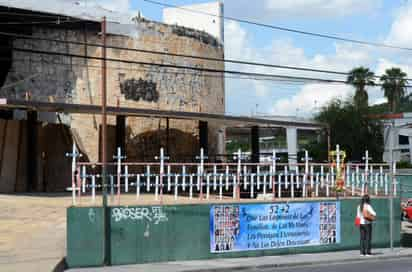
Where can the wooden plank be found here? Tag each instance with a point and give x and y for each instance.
(21, 182)
(3, 133)
(8, 167)
(18, 155)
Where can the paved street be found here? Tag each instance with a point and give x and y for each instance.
(392, 265)
(399, 258)
(401, 265)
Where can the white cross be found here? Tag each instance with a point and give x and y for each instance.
(162, 159)
(337, 156)
(307, 159)
(202, 158)
(366, 158)
(200, 170)
(119, 158)
(274, 159)
(74, 155)
(238, 156)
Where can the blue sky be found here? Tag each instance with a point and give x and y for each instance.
(385, 21)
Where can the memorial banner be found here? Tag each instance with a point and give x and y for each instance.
(271, 226)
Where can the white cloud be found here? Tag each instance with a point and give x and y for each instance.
(271, 9)
(122, 6)
(118, 11)
(401, 29)
(327, 8)
(311, 97)
(376, 95)
(384, 64)
(239, 45)
(379, 101)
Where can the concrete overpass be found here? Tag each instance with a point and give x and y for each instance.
(289, 123)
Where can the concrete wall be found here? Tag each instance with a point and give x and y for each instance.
(185, 235)
(77, 80)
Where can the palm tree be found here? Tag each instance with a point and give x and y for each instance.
(361, 77)
(394, 86)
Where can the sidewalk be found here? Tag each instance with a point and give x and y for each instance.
(234, 264)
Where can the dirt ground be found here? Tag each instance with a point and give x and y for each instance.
(32, 231)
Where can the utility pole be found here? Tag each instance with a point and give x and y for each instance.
(392, 169)
(103, 146)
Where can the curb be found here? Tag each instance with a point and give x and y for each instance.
(305, 263)
(60, 266)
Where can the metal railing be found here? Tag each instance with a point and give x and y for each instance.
(237, 180)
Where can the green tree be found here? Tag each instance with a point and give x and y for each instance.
(361, 77)
(394, 86)
(351, 129)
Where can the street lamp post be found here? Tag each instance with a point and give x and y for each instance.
(391, 191)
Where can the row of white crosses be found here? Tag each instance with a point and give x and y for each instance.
(221, 177)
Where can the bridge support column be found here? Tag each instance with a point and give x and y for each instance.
(203, 136)
(255, 144)
(292, 142)
(391, 143)
(121, 132)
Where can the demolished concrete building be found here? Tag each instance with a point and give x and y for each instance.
(33, 68)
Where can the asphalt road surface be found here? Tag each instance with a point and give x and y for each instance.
(400, 265)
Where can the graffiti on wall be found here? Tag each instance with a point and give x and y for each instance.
(153, 215)
(140, 89)
(181, 88)
(92, 215)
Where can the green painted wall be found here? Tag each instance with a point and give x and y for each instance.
(185, 235)
(405, 186)
(84, 237)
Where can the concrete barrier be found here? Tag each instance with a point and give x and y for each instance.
(145, 234)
